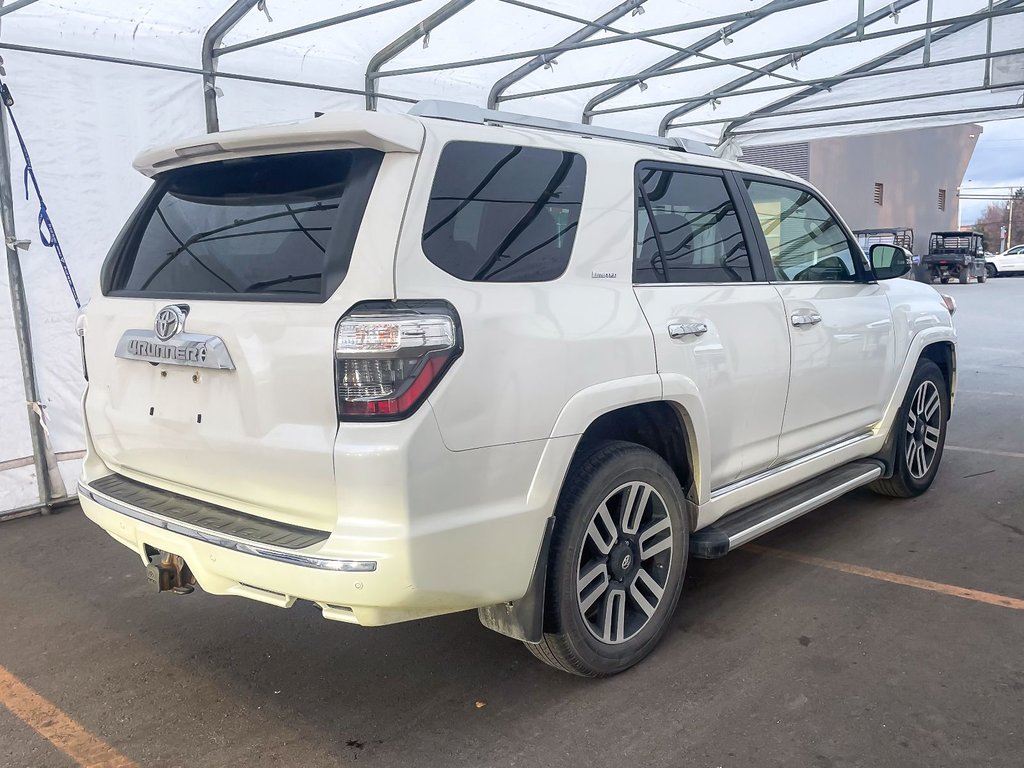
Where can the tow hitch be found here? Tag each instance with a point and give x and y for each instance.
(167, 572)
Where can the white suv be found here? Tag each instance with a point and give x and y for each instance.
(402, 366)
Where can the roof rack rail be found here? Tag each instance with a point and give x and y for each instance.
(469, 113)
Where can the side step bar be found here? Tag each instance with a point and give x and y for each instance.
(743, 525)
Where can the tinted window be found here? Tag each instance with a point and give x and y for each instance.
(805, 241)
(503, 213)
(280, 226)
(695, 236)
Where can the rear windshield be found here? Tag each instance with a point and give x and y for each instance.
(277, 227)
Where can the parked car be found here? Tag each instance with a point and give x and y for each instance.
(1006, 263)
(405, 365)
(956, 255)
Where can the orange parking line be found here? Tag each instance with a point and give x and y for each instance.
(892, 578)
(56, 727)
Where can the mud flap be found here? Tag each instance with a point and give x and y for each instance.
(523, 619)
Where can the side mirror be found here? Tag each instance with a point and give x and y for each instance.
(889, 261)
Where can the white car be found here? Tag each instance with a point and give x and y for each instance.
(1007, 262)
(405, 365)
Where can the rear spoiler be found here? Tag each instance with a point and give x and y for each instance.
(339, 130)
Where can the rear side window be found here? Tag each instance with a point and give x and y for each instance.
(687, 230)
(501, 213)
(276, 227)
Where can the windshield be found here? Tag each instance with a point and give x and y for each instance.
(281, 227)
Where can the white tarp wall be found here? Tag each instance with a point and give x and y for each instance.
(84, 121)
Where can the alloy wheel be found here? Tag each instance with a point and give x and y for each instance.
(924, 428)
(624, 562)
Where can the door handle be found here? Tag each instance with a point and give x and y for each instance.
(679, 330)
(806, 318)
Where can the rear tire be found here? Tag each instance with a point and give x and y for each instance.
(618, 556)
(964, 277)
(983, 276)
(921, 435)
(943, 280)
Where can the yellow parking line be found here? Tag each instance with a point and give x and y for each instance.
(56, 727)
(892, 578)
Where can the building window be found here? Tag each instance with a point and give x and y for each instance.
(878, 193)
(942, 199)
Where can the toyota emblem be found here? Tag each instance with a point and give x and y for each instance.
(169, 321)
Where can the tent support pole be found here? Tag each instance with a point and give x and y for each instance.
(211, 40)
(388, 52)
(537, 62)
(22, 327)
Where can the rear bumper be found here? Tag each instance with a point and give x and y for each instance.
(466, 535)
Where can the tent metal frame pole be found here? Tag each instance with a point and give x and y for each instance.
(211, 40)
(885, 119)
(951, 28)
(195, 71)
(513, 77)
(313, 27)
(554, 49)
(401, 43)
(22, 323)
(801, 50)
(776, 6)
(854, 104)
(681, 52)
(843, 32)
(15, 6)
(988, 48)
(830, 80)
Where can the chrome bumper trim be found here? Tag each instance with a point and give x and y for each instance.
(208, 537)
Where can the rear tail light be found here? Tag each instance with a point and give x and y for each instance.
(390, 355)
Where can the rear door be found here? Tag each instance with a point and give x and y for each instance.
(211, 348)
(839, 322)
(715, 319)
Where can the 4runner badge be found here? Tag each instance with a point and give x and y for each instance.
(168, 343)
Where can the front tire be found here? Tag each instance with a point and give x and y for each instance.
(921, 435)
(618, 555)
(991, 271)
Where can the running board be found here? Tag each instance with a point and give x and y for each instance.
(743, 525)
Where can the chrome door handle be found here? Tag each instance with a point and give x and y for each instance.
(679, 330)
(808, 318)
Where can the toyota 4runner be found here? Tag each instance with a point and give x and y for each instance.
(405, 365)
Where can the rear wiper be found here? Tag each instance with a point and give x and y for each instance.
(200, 236)
(280, 280)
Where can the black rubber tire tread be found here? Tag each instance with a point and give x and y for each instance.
(555, 648)
(899, 486)
(964, 277)
(992, 270)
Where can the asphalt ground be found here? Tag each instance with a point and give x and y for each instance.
(799, 651)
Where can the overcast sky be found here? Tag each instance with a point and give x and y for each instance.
(998, 161)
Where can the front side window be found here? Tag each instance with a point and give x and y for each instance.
(502, 213)
(805, 241)
(687, 230)
(280, 226)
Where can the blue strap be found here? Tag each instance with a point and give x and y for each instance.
(47, 234)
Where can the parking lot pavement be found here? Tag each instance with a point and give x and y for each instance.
(773, 661)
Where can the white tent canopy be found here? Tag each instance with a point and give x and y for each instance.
(97, 81)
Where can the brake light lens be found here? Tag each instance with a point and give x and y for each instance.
(390, 355)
